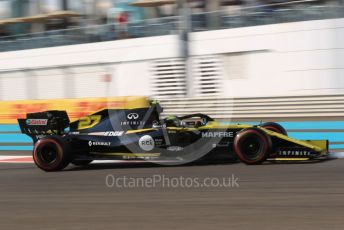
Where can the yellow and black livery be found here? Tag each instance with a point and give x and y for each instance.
(140, 132)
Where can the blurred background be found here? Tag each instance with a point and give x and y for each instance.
(84, 21)
(245, 60)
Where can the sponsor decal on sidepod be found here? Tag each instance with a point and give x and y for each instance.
(217, 134)
(97, 143)
(146, 143)
(133, 116)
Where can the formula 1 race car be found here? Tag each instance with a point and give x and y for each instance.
(133, 133)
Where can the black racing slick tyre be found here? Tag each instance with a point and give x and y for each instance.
(81, 162)
(51, 153)
(272, 126)
(252, 146)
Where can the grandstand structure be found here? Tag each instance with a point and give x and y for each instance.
(268, 63)
(266, 51)
(222, 18)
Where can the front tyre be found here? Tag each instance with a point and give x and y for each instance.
(252, 146)
(272, 126)
(51, 153)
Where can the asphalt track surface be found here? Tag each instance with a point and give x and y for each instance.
(270, 196)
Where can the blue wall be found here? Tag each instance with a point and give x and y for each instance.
(11, 139)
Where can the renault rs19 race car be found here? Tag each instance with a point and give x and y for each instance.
(133, 133)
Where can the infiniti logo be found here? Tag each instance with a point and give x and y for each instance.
(133, 116)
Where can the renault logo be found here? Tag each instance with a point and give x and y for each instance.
(132, 116)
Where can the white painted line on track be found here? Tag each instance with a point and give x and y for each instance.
(16, 159)
(12, 157)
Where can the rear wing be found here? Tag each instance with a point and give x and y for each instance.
(44, 123)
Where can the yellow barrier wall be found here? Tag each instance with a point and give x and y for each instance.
(10, 111)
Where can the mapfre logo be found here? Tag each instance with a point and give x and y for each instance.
(218, 134)
(133, 116)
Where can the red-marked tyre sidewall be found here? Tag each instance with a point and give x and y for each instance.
(274, 127)
(62, 154)
(264, 140)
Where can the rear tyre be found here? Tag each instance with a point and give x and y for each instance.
(272, 126)
(81, 162)
(252, 146)
(51, 153)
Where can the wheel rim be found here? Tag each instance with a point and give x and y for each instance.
(48, 154)
(251, 146)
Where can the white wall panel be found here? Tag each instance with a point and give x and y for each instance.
(280, 59)
(50, 83)
(13, 86)
(132, 79)
(89, 81)
(112, 51)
